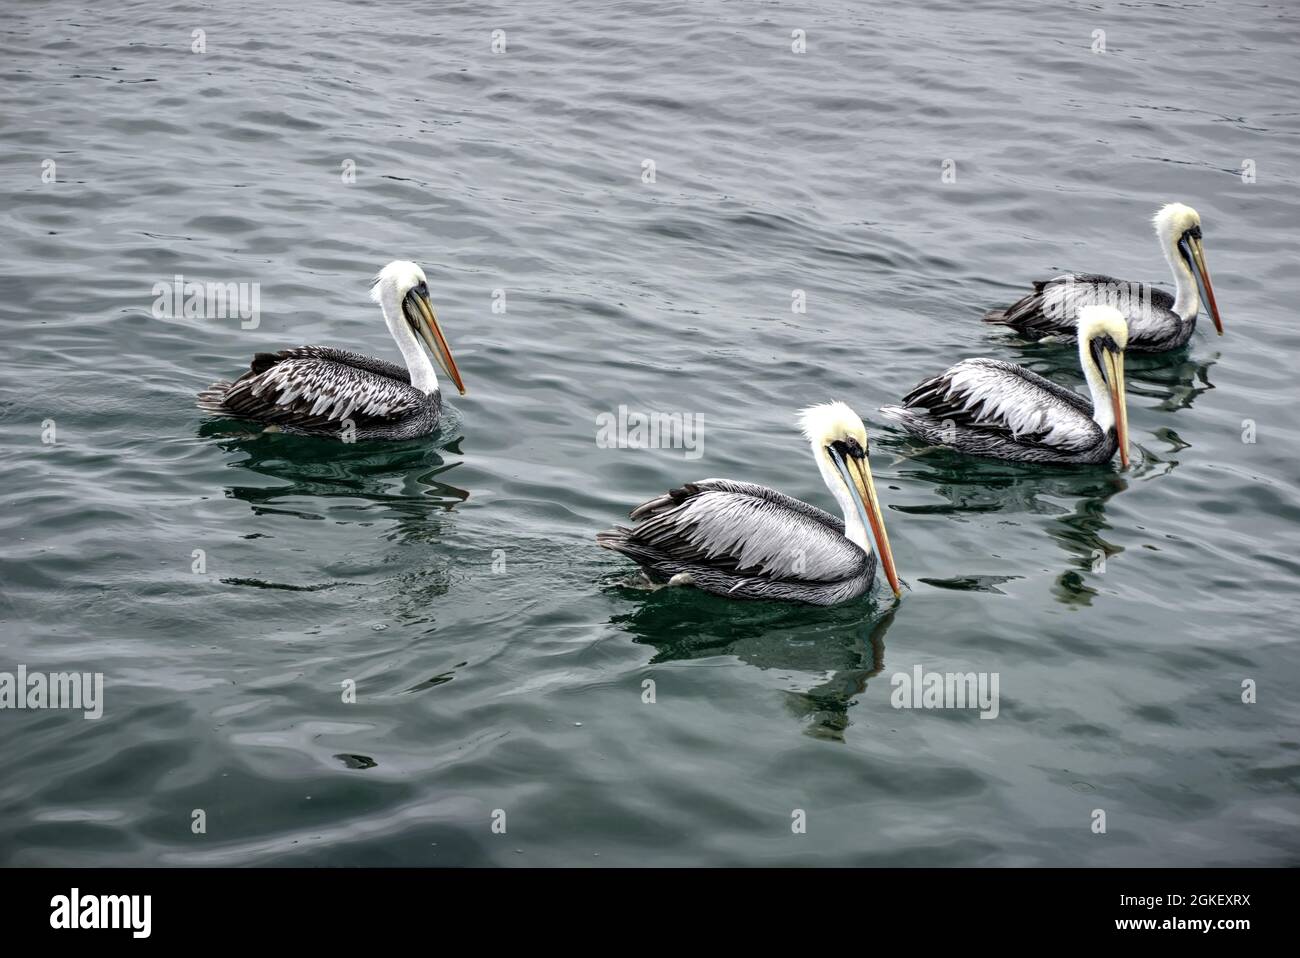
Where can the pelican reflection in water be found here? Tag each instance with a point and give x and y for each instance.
(820, 659)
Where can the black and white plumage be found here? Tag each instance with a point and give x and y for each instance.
(986, 407)
(318, 390)
(746, 541)
(323, 391)
(1156, 320)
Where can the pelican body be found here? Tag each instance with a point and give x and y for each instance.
(986, 407)
(745, 541)
(1156, 320)
(323, 391)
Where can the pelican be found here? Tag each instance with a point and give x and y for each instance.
(323, 391)
(746, 541)
(1156, 321)
(986, 407)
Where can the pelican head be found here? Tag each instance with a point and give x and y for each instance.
(1103, 336)
(839, 443)
(1179, 228)
(402, 282)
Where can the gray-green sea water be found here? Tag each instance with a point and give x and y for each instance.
(234, 590)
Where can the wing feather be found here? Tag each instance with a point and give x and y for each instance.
(315, 388)
(264, 361)
(1053, 306)
(1010, 400)
(745, 530)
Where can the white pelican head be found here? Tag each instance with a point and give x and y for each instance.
(1103, 336)
(839, 444)
(1179, 228)
(403, 293)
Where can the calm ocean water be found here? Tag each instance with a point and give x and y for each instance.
(498, 657)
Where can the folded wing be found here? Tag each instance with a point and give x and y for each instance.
(740, 529)
(317, 388)
(1006, 399)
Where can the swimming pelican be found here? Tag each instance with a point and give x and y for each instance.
(986, 407)
(323, 391)
(745, 541)
(1156, 321)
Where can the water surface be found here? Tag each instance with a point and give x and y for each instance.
(499, 658)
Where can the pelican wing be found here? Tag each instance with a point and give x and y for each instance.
(264, 361)
(1053, 306)
(745, 530)
(316, 387)
(1007, 399)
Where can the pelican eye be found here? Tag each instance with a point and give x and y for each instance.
(1103, 344)
(849, 448)
(1185, 243)
(410, 304)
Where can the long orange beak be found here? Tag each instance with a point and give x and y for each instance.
(1203, 274)
(859, 479)
(1114, 369)
(432, 335)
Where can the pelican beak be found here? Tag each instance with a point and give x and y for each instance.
(1196, 252)
(1112, 363)
(425, 321)
(856, 473)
